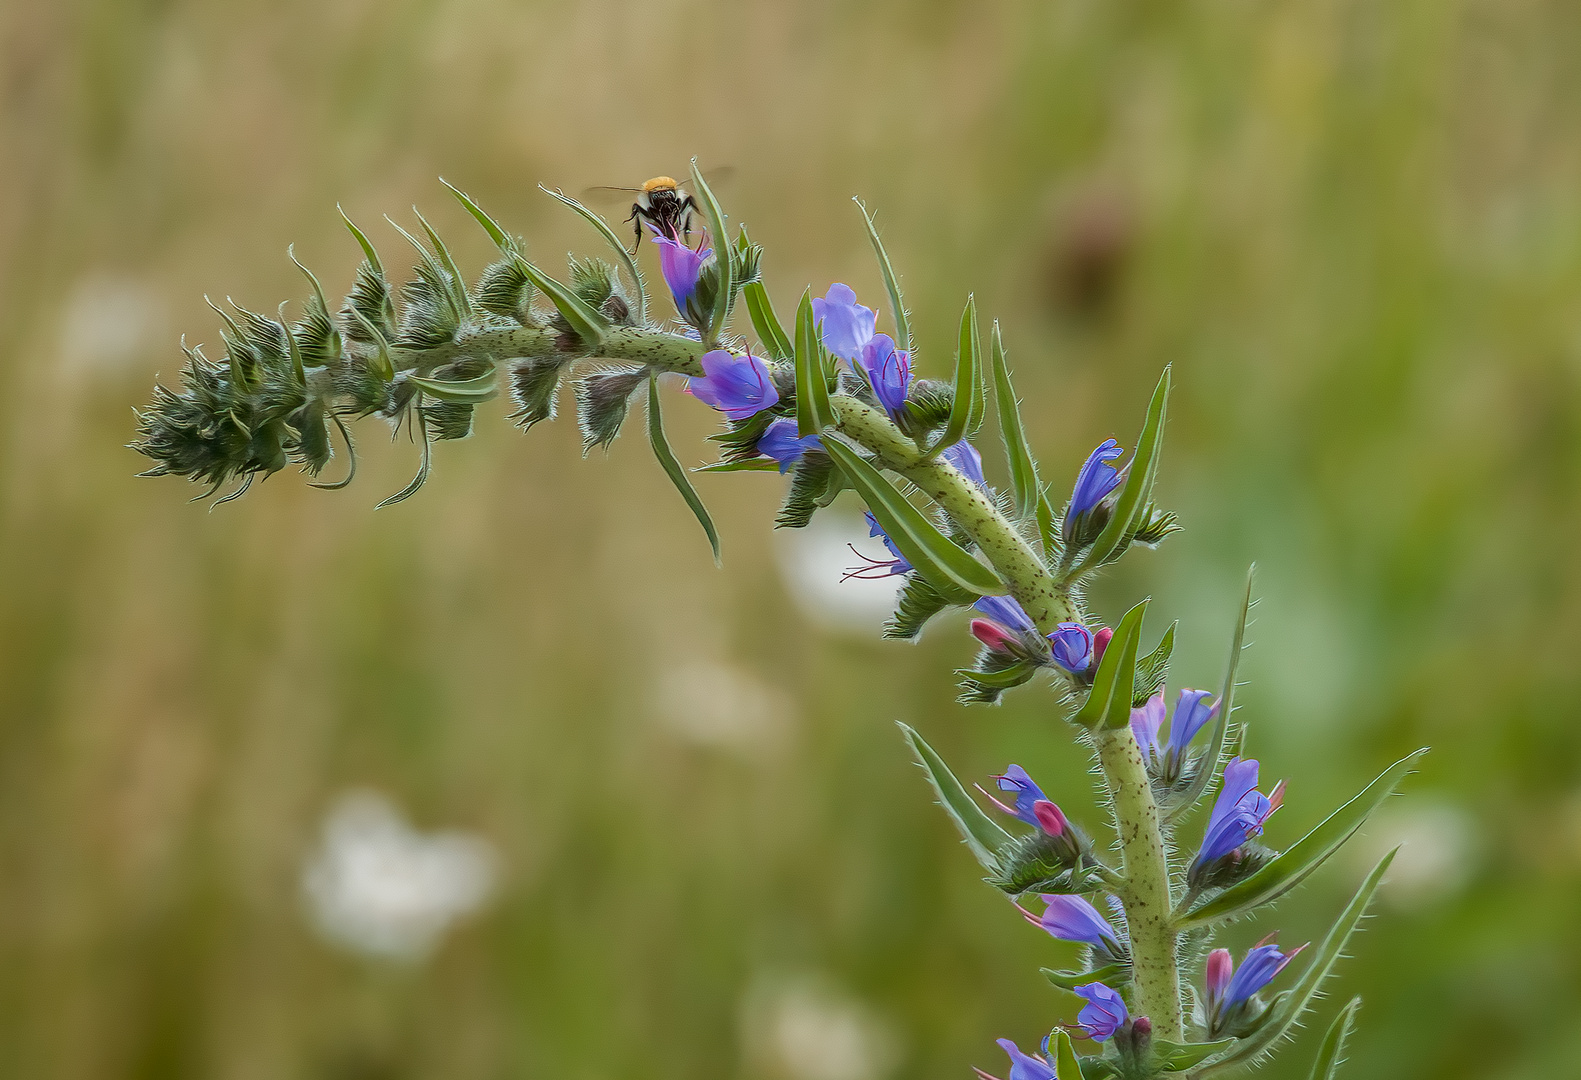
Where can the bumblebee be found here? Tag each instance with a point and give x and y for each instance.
(664, 204)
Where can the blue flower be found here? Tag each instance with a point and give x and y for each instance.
(1193, 709)
(1006, 612)
(681, 267)
(1238, 813)
(887, 370)
(1072, 644)
(1028, 794)
(844, 326)
(879, 568)
(1104, 1013)
(1070, 918)
(738, 386)
(1229, 998)
(1095, 483)
(780, 442)
(967, 461)
(1022, 1066)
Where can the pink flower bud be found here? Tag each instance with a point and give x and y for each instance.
(991, 634)
(1100, 642)
(1217, 977)
(1050, 819)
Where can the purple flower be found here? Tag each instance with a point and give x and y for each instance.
(878, 568)
(1072, 644)
(967, 461)
(681, 267)
(780, 442)
(887, 370)
(1028, 794)
(844, 326)
(1145, 723)
(1193, 709)
(1104, 1013)
(1022, 1066)
(1070, 918)
(1006, 612)
(738, 386)
(1238, 813)
(1229, 995)
(1096, 479)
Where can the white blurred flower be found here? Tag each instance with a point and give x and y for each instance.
(110, 321)
(813, 562)
(724, 707)
(377, 886)
(1439, 843)
(806, 1028)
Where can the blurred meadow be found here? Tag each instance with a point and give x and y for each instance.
(630, 815)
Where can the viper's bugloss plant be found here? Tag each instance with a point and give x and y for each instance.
(837, 404)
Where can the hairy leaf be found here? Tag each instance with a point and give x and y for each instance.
(1331, 1052)
(897, 305)
(1023, 469)
(672, 468)
(1138, 485)
(813, 411)
(980, 832)
(1213, 754)
(1108, 704)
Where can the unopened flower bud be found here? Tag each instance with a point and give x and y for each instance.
(992, 635)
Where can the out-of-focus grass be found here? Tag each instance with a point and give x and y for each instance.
(1354, 228)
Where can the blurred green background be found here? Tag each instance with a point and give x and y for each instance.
(1354, 228)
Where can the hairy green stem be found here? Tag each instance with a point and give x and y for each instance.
(670, 352)
(1148, 911)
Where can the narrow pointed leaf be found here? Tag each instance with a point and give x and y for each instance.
(501, 238)
(672, 467)
(1293, 866)
(1331, 1052)
(420, 419)
(897, 305)
(1069, 980)
(1108, 704)
(466, 391)
(436, 266)
(384, 365)
(813, 411)
(458, 284)
(1138, 487)
(765, 322)
(749, 465)
(627, 263)
(721, 240)
(589, 324)
(1047, 531)
(1003, 679)
(1213, 756)
(943, 562)
(1023, 470)
(1178, 1057)
(1285, 1012)
(981, 833)
(1066, 1066)
(968, 379)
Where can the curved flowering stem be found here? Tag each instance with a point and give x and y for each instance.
(836, 405)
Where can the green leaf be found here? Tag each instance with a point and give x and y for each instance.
(1177, 1057)
(1108, 703)
(1066, 1066)
(458, 284)
(1001, 679)
(1046, 529)
(383, 365)
(467, 391)
(749, 465)
(672, 468)
(813, 411)
(587, 322)
(1287, 1010)
(431, 269)
(1069, 980)
(1153, 669)
(938, 558)
(1023, 470)
(420, 419)
(716, 226)
(627, 263)
(1331, 1053)
(765, 322)
(897, 306)
(1138, 488)
(1293, 866)
(1213, 754)
(918, 602)
(981, 833)
(501, 239)
(968, 380)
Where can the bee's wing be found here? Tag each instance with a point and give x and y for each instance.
(719, 174)
(610, 196)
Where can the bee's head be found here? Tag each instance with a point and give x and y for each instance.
(659, 183)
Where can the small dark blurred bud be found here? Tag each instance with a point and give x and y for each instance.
(1089, 248)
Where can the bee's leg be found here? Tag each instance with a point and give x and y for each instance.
(636, 216)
